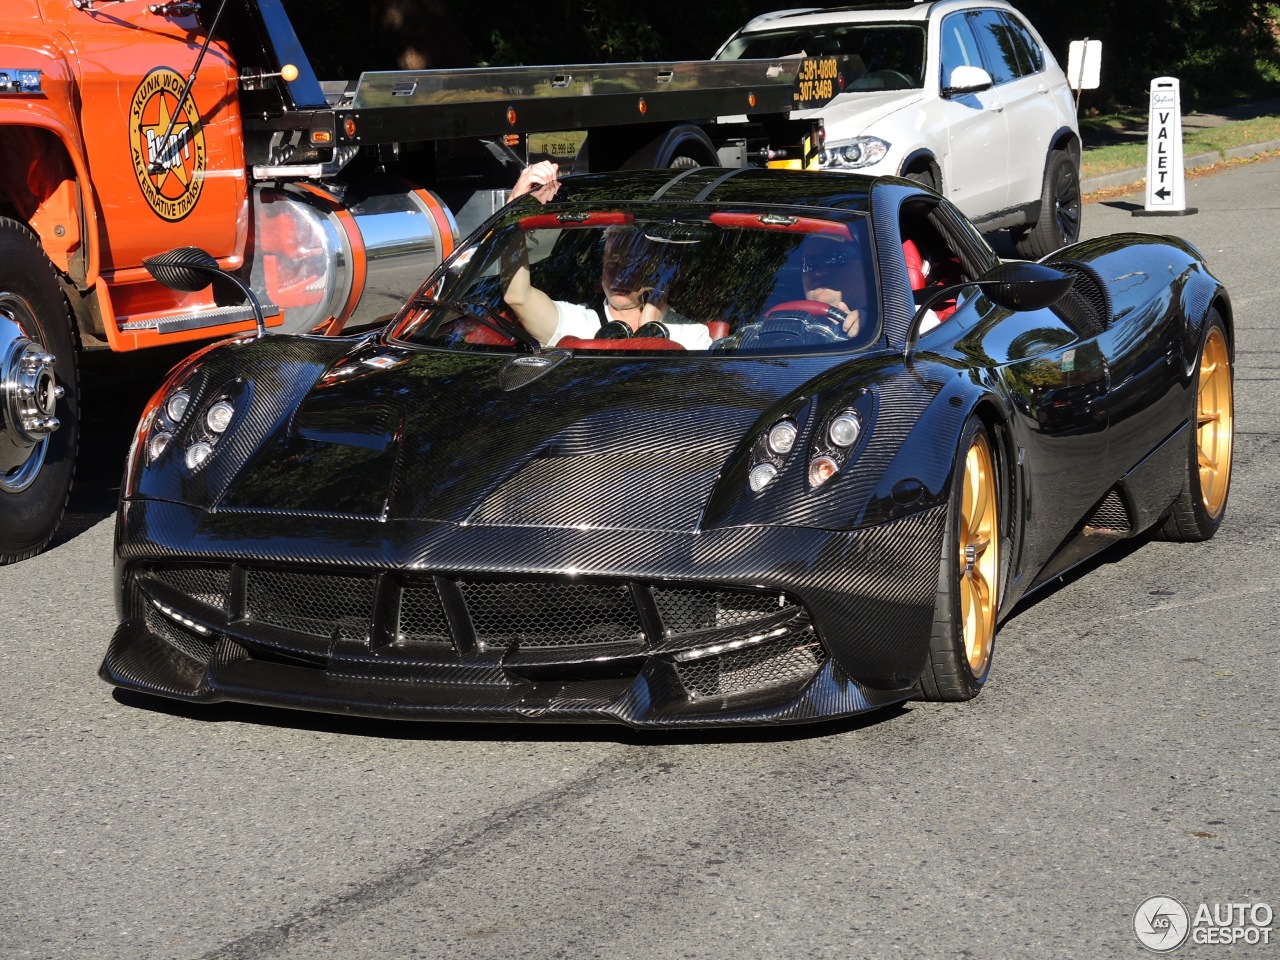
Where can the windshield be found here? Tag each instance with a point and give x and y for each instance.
(695, 279)
(876, 56)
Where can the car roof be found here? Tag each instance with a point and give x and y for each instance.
(902, 10)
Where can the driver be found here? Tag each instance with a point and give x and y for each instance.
(633, 281)
(832, 273)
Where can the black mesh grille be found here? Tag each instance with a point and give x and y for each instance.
(688, 610)
(549, 614)
(1110, 514)
(209, 585)
(422, 617)
(1087, 305)
(773, 664)
(535, 614)
(307, 603)
(195, 645)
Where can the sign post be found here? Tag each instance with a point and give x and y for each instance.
(1084, 66)
(1166, 195)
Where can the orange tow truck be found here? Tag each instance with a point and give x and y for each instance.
(132, 127)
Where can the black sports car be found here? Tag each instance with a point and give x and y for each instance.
(843, 442)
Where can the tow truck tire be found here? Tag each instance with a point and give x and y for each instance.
(38, 384)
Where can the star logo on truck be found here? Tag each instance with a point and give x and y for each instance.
(166, 140)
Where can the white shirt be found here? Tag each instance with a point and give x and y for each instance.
(576, 320)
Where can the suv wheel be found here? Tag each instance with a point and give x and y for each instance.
(924, 177)
(1059, 221)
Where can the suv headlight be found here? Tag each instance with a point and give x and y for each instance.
(855, 153)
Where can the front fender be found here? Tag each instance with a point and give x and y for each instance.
(44, 173)
(912, 418)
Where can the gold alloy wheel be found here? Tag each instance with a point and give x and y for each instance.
(979, 555)
(1214, 422)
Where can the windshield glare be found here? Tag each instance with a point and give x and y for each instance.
(875, 56)
(712, 281)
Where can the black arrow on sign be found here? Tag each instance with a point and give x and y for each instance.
(1163, 193)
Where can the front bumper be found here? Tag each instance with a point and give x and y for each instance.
(764, 625)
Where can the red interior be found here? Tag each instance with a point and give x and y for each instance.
(631, 343)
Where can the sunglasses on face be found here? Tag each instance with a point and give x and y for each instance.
(826, 262)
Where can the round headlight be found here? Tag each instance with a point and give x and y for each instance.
(761, 475)
(851, 153)
(845, 429)
(197, 454)
(218, 417)
(822, 469)
(176, 406)
(157, 443)
(782, 436)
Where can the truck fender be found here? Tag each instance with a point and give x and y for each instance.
(673, 147)
(43, 182)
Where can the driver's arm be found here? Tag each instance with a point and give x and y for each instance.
(535, 310)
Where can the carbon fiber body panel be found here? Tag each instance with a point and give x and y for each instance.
(762, 624)
(394, 530)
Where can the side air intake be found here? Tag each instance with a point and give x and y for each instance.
(1087, 305)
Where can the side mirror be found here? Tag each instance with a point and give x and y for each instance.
(967, 80)
(1025, 286)
(1016, 285)
(185, 269)
(188, 269)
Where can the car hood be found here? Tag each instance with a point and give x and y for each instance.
(851, 114)
(568, 440)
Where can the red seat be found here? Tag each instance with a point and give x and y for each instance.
(487, 336)
(718, 328)
(916, 272)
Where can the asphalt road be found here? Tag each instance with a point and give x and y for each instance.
(1126, 746)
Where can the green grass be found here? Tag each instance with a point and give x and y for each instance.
(1123, 156)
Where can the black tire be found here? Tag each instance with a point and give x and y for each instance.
(35, 474)
(1058, 223)
(924, 177)
(967, 600)
(1202, 503)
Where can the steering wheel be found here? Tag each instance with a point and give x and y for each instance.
(807, 319)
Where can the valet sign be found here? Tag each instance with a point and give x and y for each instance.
(1165, 191)
(1163, 924)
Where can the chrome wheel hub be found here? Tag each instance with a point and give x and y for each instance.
(29, 394)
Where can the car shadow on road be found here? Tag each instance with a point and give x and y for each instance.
(1112, 554)
(490, 732)
(114, 390)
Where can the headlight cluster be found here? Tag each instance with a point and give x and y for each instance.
(855, 153)
(777, 443)
(201, 429)
(832, 447)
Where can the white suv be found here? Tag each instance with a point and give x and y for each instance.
(960, 95)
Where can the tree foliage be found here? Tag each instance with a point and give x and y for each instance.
(1218, 49)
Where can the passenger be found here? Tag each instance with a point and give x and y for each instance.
(634, 276)
(832, 273)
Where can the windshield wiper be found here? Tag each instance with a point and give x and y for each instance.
(485, 314)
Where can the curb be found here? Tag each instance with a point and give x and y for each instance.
(1138, 175)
